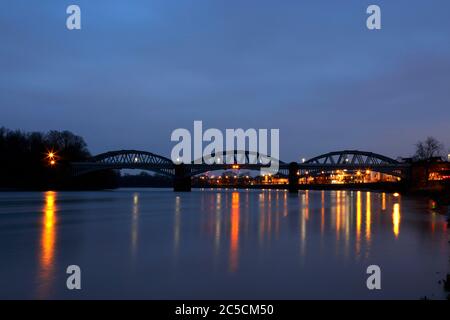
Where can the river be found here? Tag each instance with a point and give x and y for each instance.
(221, 244)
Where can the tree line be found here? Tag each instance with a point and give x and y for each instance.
(37, 160)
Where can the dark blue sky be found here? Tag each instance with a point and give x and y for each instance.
(139, 69)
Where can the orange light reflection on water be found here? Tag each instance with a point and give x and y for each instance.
(234, 241)
(396, 219)
(48, 239)
(322, 212)
(368, 216)
(358, 221)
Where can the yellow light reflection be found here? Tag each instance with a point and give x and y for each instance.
(48, 239)
(302, 233)
(345, 207)
(368, 216)
(358, 221)
(134, 223)
(218, 222)
(48, 231)
(269, 214)
(306, 205)
(322, 213)
(383, 201)
(396, 219)
(234, 243)
(262, 217)
(338, 213)
(177, 224)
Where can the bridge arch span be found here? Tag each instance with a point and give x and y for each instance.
(244, 159)
(353, 160)
(351, 157)
(126, 159)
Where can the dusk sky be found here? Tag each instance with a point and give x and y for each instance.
(140, 69)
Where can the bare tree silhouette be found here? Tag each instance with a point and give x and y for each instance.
(428, 149)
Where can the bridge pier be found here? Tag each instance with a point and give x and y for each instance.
(293, 177)
(182, 179)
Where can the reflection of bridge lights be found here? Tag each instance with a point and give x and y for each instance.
(177, 224)
(368, 216)
(135, 223)
(358, 216)
(396, 219)
(234, 230)
(396, 194)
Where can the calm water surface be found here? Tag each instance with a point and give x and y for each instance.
(157, 244)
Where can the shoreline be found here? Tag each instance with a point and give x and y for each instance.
(376, 187)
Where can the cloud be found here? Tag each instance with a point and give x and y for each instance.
(308, 68)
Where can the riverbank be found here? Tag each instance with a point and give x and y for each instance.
(380, 187)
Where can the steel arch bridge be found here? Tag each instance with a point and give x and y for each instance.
(143, 160)
(352, 157)
(125, 159)
(353, 160)
(247, 160)
(337, 160)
